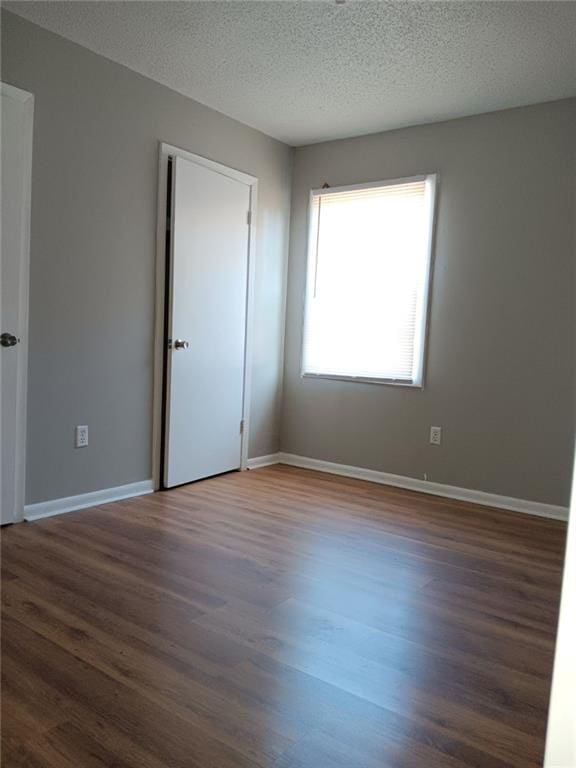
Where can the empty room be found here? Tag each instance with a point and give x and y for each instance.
(288, 384)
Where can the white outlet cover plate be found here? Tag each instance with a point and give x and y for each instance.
(435, 435)
(81, 436)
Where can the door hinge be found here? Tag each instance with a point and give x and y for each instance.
(242, 427)
(248, 217)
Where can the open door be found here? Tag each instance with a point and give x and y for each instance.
(207, 294)
(16, 139)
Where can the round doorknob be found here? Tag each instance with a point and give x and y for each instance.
(8, 340)
(181, 344)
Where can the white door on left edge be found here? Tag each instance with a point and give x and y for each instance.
(208, 280)
(16, 139)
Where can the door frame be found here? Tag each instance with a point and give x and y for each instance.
(27, 99)
(166, 151)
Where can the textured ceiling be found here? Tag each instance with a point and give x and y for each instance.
(308, 71)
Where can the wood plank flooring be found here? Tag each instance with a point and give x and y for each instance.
(279, 618)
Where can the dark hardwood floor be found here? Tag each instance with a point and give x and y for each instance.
(279, 618)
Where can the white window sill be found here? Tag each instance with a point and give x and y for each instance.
(363, 380)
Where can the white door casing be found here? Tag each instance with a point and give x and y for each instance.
(16, 171)
(208, 289)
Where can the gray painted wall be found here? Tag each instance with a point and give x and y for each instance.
(96, 133)
(500, 373)
(501, 352)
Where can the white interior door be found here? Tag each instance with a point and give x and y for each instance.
(207, 295)
(15, 171)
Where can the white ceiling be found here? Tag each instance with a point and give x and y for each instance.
(312, 70)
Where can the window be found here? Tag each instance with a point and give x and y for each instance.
(369, 259)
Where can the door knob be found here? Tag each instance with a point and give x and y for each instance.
(181, 344)
(8, 340)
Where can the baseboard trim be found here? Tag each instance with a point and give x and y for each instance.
(423, 486)
(263, 461)
(85, 500)
(107, 495)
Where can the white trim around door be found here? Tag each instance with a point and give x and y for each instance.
(165, 152)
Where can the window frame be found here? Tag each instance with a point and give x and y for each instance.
(424, 320)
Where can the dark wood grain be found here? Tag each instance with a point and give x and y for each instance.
(279, 618)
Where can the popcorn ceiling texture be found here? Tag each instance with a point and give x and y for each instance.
(310, 71)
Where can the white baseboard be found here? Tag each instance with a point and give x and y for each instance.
(84, 500)
(423, 486)
(263, 461)
(95, 498)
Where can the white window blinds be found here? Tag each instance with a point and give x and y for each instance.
(367, 284)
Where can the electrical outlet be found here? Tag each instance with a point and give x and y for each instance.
(435, 435)
(81, 437)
